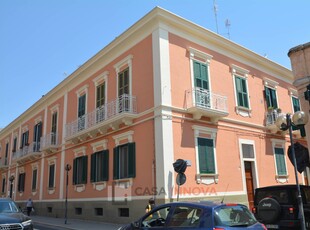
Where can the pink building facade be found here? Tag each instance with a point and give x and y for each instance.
(165, 89)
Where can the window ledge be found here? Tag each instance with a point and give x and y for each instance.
(244, 112)
(207, 178)
(282, 178)
(79, 187)
(100, 185)
(124, 183)
(21, 193)
(51, 190)
(34, 192)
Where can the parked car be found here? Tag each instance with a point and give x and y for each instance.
(277, 206)
(11, 216)
(200, 215)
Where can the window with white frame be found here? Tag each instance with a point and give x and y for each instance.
(200, 68)
(124, 156)
(34, 179)
(51, 173)
(200, 71)
(295, 100)
(3, 188)
(54, 128)
(240, 80)
(82, 105)
(280, 160)
(21, 181)
(51, 177)
(206, 166)
(37, 133)
(123, 72)
(101, 96)
(14, 144)
(271, 93)
(6, 153)
(124, 82)
(80, 170)
(24, 138)
(296, 104)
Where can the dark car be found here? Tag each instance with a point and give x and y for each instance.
(11, 216)
(200, 215)
(277, 206)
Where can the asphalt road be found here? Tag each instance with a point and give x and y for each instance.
(46, 227)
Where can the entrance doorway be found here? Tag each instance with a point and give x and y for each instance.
(249, 183)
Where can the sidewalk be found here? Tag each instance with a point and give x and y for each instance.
(74, 224)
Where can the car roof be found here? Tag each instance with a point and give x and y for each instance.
(200, 204)
(5, 199)
(286, 186)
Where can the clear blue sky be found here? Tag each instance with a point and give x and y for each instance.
(42, 41)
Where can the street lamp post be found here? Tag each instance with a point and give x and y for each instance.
(11, 179)
(285, 122)
(67, 168)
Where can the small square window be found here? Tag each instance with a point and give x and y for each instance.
(49, 209)
(123, 212)
(78, 211)
(99, 211)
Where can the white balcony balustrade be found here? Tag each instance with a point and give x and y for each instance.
(272, 116)
(27, 152)
(201, 102)
(49, 142)
(110, 115)
(4, 163)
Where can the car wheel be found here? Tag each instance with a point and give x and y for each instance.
(268, 210)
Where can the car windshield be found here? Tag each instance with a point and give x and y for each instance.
(8, 206)
(233, 216)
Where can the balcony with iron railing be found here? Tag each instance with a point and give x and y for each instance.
(27, 153)
(4, 163)
(271, 118)
(201, 102)
(49, 142)
(111, 115)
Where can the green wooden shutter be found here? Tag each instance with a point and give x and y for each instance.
(105, 165)
(82, 105)
(271, 98)
(51, 176)
(84, 170)
(131, 160)
(206, 155)
(280, 161)
(116, 163)
(296, 104)
(267, 95)
(74, 177)
(27, 137)
(201, 75)
(239, 91)
(242, 93)
(274, 98)
(197, 74)
(93, 168)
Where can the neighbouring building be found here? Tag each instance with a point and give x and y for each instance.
(165, 89)
(300, 61)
